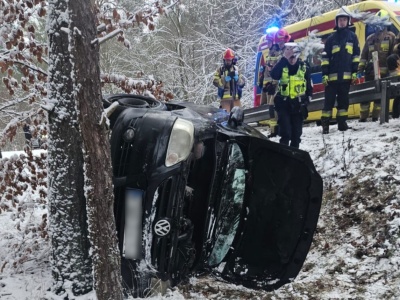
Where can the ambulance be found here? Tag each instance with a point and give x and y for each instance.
(323, 26)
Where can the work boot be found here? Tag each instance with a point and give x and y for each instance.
(273, 131)
(374, 119)
(325, 125)
(362, 120)
(342, 126)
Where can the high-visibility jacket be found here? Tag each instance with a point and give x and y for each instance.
(293, 86)
(382, 42)
(294, 80)
(341, 55)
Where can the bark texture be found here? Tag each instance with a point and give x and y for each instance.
(75, 83)
(72, 268)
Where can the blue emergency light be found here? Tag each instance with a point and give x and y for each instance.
(272, 29)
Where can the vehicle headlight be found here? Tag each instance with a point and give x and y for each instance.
(129, 135)
(180, 142)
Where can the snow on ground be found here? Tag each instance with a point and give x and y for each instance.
(355, 252)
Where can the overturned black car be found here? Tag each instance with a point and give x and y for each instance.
(196, 189)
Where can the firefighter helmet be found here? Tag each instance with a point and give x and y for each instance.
(343, 12)
(228, 54)
(282, 36)
(382, 14)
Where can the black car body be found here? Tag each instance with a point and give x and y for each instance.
(196, 189)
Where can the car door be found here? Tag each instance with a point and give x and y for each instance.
(279, 215)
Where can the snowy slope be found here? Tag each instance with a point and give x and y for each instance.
(355, 253)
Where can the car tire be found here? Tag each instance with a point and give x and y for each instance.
(136, 101)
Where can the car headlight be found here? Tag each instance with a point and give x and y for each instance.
(129, 135)
(180, 142)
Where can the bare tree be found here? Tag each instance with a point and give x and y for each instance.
(67, 85)
(185, 49)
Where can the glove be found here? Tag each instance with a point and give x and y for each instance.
(228, 78)
(354, 78)
(236, 77)
(325, 80)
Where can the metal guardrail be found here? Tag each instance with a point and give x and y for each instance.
(384, 89)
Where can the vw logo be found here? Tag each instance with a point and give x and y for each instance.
(162, 227)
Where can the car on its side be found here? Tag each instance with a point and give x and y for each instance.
(199, 191)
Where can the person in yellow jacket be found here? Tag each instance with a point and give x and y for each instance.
(230, 80)
(383, 42)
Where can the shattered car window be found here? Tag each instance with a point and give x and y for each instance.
(233, 188)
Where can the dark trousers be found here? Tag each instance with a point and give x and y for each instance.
(337, 91)
(290, 127)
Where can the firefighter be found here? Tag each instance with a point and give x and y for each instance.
(228, 78)
(294, 93)
(267, 84)
(383, 42)
(339, 65)
(393, 64)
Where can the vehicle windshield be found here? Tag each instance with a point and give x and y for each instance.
(231, 204)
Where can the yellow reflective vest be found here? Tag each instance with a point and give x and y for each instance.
(295, 85)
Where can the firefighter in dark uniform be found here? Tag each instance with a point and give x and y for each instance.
(294, 93)
(339, 65)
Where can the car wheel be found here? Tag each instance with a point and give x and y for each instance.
(136, 101)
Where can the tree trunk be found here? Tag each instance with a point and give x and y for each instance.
(82, 145)
(72, 268)
(98, 170)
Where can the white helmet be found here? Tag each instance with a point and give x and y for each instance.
(343, 12)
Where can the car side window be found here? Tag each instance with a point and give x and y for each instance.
(232, 198)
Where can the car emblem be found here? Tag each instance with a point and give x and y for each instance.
(162, 227)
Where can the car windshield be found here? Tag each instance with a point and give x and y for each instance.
(231, 204)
